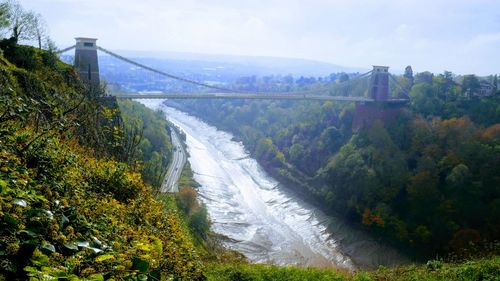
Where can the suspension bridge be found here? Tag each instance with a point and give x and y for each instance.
(86, 62)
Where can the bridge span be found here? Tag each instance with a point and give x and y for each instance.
(250, 96)
(86, 63)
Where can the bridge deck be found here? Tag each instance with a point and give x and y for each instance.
(255, 96)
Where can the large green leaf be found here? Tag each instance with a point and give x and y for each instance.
(10, 220)
(27, 233)
(140, 264)
(48, 248)
(3, 185)
(71, 246)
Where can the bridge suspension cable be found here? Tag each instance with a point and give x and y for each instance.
(164, 73)
(323, 88)
(216, 87)
(66, 49)
(405, 90)
(350, 81)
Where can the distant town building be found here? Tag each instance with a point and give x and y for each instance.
(486, 89)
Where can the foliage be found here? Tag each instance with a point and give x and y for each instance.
(3, 15)
(247, 272)
(435, 270)
(147, 139)
(441, 96)
(425, 192)
(195, 212)
(424, 179)
(64, 213)
(23, 25)
(487, 269)
(64, 225)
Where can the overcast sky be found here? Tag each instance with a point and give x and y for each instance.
(458, 35)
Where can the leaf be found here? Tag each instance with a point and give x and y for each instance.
(96, 277)
(49, 214)
(70, 246)
(140, 264)
(40, 260)
(48, 248)
(20, 202)
(3, 185)
(96, 241)
(11, 220)
(40, 212)
(64, 220)
(155, 274)
(83, 244)
(97, 251)
(30, 269)
(102, 258)
(28, 233)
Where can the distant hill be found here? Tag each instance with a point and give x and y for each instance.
(236, 65)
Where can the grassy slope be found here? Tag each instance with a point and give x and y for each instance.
(487, 269)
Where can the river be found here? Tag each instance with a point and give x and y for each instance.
(259, 217)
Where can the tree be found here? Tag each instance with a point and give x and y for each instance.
(408, 72)
(4, 15)
(343, 77)
(424, 77)
(24, 25)
(41, 31)
(296, 152)
(186, 200)
(409, 76)
(199, 222)
(495, 83)
(470, 84)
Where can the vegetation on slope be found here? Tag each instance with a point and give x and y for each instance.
(426, 180)
(64, 212)
(149, 142)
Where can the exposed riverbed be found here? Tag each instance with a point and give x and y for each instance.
(262, 219)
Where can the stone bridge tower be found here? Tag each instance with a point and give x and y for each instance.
(381, 110)
(86, 61)
(379, 84)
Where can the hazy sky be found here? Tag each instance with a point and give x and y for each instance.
(458, 35)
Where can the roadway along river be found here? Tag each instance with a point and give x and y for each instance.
(171, 180)
(259, 217)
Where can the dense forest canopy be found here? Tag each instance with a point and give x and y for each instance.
(426, 179)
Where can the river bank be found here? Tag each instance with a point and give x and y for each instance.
(245, 185)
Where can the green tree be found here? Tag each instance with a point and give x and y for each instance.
(495, 83)
(424, 77)
(199, 222)
(470, 85)
(424, 100)
(296, 152)
(343, 77)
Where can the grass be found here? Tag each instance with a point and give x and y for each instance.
(485, 269)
